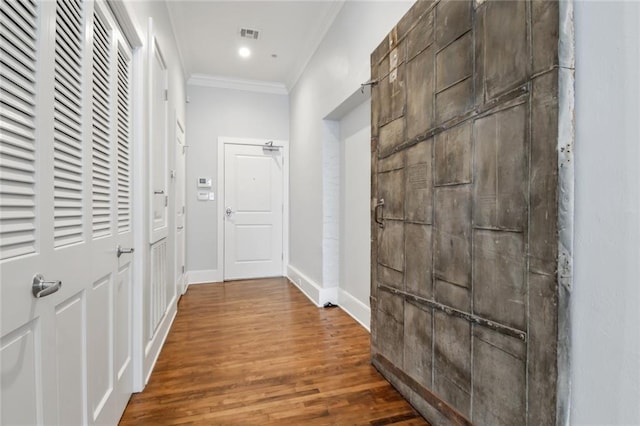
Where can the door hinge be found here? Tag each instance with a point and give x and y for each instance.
(166, 200)
(166, 94)
(182, 209)
(183, 269)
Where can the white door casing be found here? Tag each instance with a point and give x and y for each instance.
(180, 205)
(253, 207)
(65, 204)
(158, 294)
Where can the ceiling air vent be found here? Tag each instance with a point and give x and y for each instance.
(249, 33)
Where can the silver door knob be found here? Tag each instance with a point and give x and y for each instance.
(228, 211)
(41, 288)
(120, 250)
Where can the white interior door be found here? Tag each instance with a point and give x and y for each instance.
(158, 99)
(108, 293)
(180, 207)
(65, 352)
(253, 210)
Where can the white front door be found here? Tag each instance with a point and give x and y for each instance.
(253, 211)
(180, 207)
(65, 205)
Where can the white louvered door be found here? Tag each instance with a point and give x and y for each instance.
(28, 391)
(109, 363)
(123, 299)
(65, 205)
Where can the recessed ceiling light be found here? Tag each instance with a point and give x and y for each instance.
(244, 52)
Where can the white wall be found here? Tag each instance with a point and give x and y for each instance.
(605, 307)
(355, 230)
(214, 112)
(336, 70)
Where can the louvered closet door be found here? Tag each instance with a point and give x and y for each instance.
(29, 387)
(65, 205)
(109, 362)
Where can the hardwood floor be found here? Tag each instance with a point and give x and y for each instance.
(258, 352)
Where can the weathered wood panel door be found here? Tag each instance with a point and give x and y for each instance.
(466, 301)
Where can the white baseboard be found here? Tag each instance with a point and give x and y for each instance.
(204, 276)
(318, 295)
(359, 311)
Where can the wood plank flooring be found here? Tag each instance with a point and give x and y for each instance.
(257, 353)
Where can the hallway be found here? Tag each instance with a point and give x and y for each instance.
(284, 361)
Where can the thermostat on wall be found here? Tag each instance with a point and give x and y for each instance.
(204, 182)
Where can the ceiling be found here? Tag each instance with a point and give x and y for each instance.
(208, 36)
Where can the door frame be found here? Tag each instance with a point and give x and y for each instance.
(225, 140)
(181, 287)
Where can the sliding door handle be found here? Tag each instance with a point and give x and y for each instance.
(378, 217)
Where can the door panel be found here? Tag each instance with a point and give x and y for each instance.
(99, 385)
(69, 318)
(253, 182)
(245, 243)
(68, 170)
(22, 387)
(122, 310)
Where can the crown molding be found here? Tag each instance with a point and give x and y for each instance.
(326, 23)
(237, 84)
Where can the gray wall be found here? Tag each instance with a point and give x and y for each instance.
(214, 112)
(605, 351)
(355, 190)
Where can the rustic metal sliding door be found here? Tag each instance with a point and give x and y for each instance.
(471, 183)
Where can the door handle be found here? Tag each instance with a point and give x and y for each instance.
(377, 218)
(120, 250)
(228, 211)
(41, 288)
(180, 227)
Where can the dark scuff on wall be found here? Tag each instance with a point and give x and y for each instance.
(468, 308)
